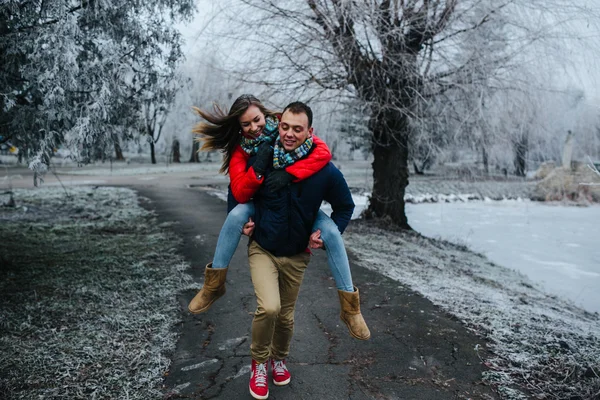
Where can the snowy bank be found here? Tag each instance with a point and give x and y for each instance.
(436, 189)
(544, 346)
(120, 169)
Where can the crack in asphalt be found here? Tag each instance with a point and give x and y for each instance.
(395, 336)
(213, 382)
(453, 352)
(211, 330)
(236, 348)
(356, 379)
(332, 338)
(246, 302)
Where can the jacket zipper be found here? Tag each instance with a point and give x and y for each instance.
(289, 213)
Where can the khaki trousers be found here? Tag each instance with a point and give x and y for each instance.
(276, 282)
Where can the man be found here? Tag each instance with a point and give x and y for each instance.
(281, 233)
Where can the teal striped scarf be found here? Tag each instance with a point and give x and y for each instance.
(281, 159)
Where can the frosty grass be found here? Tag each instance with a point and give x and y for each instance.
(543, 346)
(87, 295)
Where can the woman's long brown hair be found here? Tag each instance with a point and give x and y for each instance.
(222, 130)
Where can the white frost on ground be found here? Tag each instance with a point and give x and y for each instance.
(109, 203)
(8, 159)
(88, 303)
(543, 343)
(445, 198)
(135, 169)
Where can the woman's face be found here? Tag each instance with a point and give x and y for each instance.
(252, 121)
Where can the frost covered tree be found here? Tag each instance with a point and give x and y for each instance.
(371, 50)
(71, 71)
(202, 83)
(157, 101)
(390, 56)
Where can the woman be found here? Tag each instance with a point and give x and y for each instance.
(250, 129)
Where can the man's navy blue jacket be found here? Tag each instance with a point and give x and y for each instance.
(284, 219)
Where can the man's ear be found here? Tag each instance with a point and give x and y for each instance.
(310, 131)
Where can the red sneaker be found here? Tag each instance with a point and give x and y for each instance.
(259, 388)
(281, 375)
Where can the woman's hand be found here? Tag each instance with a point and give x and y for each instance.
(248, 228)
(278, 180)
(315, 241)
(264, 158)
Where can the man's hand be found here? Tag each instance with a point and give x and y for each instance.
(315, 241)
(264, 157)
(278, 180)
(248, 228)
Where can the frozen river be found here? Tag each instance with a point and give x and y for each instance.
(556, 246)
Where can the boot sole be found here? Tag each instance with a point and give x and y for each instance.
(200, 311)
(352, 333)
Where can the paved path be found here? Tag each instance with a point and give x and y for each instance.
(416, 350)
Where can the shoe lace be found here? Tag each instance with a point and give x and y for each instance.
(260, 377)
(279, 367)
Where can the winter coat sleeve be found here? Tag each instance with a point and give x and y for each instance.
(243, 182)
(339, 196)
(308, 166)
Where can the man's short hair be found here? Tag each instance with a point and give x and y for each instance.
(298, 107)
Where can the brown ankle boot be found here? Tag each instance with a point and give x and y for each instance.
(214, 287)
(350, 304)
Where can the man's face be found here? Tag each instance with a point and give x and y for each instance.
(293, 130)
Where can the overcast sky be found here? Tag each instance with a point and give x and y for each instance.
(583, 71)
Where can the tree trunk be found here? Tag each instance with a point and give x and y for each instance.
(175, 151)
(333, 146)
(195, 157)
(521, 147)
(118, 151)
(152, 153)
(416, 167)
(390, 168)
(567, 154)
(484, 156)
(426, 164)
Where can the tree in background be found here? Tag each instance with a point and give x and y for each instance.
(353, 126)
(70, 71)
(156, 104)
(204, 83)
(371, 50)
(391, 56)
